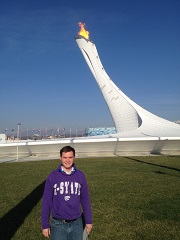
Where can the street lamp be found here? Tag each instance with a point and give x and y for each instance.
(46, 133)
(19, 124)
(13, 134)
(6, 134)
(27, 133)
(58, 132)
(33, 134)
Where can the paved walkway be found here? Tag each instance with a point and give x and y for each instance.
(27, 159)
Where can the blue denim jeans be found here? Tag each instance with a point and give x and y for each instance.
(66, 231)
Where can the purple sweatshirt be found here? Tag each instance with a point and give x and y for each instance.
(64, 195)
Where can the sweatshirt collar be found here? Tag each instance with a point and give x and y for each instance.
(61, 170)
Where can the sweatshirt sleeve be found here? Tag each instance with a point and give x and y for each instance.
(85, 202)
(46, 204)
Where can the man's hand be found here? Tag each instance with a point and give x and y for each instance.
(46, 232)
(88, 228)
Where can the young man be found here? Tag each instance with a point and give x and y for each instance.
(65, 194)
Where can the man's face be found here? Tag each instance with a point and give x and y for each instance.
(67, 160)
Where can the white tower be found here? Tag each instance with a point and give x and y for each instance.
(129, 118)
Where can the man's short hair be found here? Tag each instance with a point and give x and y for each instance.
(67, 149)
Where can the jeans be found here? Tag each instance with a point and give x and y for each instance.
(66, 231)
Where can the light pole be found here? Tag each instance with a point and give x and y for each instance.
(40, 133)
(27, 133)
(19, 124)
(13, 134)
(33, 134)
(46, 133)
(6, 134)
(58, 132)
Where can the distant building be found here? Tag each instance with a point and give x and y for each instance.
(100, 131)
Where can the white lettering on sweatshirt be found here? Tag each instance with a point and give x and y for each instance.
(67, 188)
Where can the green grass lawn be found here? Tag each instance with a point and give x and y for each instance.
(131, 197)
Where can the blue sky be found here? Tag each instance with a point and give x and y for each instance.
(45, 81)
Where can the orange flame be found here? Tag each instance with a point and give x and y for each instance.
(82, 31)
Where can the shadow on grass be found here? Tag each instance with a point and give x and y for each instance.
(157, 165)
(12, 220)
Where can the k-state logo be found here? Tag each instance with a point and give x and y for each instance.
(66, 198)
